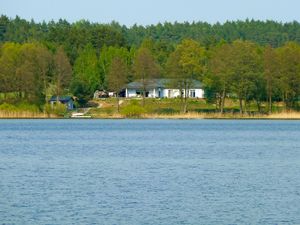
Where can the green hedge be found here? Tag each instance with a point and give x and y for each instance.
(133, 111)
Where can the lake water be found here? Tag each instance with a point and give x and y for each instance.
(136, 172)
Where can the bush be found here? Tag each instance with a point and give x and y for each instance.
(133, 111)
(134, 102)
(28, 107)
(57, 109)
(22, 107)
(8, 107)
(166, 111)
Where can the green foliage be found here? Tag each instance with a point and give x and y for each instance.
(81, 90)
(57, 109)
(86, 67)
(29, 69)
(107, 55)
(186, 64)
(252, 61)
(166, 111)
(22, 107)
(133, 110)
(62, 73)
(8, 107)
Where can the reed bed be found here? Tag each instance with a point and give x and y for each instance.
(189, 115)
(25, 114)
(194, 115)
(285, 115)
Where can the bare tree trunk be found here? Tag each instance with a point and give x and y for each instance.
(185, 104)
(285, 101)
(223, 101)
(143, 102)
(144, 90)
(246, 106)
(241, 105)
(270, 104)
(185, 100)
(45, 89)
(181, 101)
(218, 102)
(118, 103)
(258, 105)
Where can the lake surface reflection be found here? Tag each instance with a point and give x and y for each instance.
(149, 172)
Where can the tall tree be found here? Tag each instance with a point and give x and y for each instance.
(220, 66)
(271, 73)
(186, 64)
(289, 61)
(117, 77)
(145, 69)
(105, 61)
(246, 66)
(62, 71)
(86, 72)
(9, 62)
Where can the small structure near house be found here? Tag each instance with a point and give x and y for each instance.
(66, 100)
(101, 94)
(104, 94)
(163, 88)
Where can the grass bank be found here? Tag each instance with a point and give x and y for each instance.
(153, 109)
(170, 109)
(25, 115)
(193, 115)
(23, 110)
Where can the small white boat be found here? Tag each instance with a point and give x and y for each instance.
(79, 115)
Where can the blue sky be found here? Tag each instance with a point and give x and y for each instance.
(142, 12)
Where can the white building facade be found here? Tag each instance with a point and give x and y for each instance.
(162, 88)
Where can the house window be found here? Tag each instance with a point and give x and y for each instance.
(192, 93)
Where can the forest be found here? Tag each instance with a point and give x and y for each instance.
(250, 61)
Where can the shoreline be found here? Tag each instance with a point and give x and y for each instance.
(188, 116)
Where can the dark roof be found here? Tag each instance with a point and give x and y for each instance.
(160, 83)
(62, 99)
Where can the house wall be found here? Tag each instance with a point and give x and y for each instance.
(174, 93)
(199, 93)
(171, 93)
(165, 93)
(153, 93)
(70, 105)
(131, 93)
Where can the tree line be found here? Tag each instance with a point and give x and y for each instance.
(251, 61)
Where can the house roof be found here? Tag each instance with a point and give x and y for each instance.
(160, 83)
(62, 99)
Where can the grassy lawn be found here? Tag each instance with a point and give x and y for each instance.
(197, 108)
(152, 106)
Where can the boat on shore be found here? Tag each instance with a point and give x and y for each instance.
(80, 115)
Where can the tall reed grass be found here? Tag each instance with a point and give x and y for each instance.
(25, 114)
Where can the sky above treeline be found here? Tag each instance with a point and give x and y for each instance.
(146, 12)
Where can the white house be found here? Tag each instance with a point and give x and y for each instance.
(163, 88)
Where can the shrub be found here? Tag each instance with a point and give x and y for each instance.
(57, 109)
(22, 107)
(133, 111)
(8, 107)
(166, 111)
(134, 102)
(28, 108)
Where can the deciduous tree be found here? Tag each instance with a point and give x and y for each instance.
(117, 77)
(145, 68)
